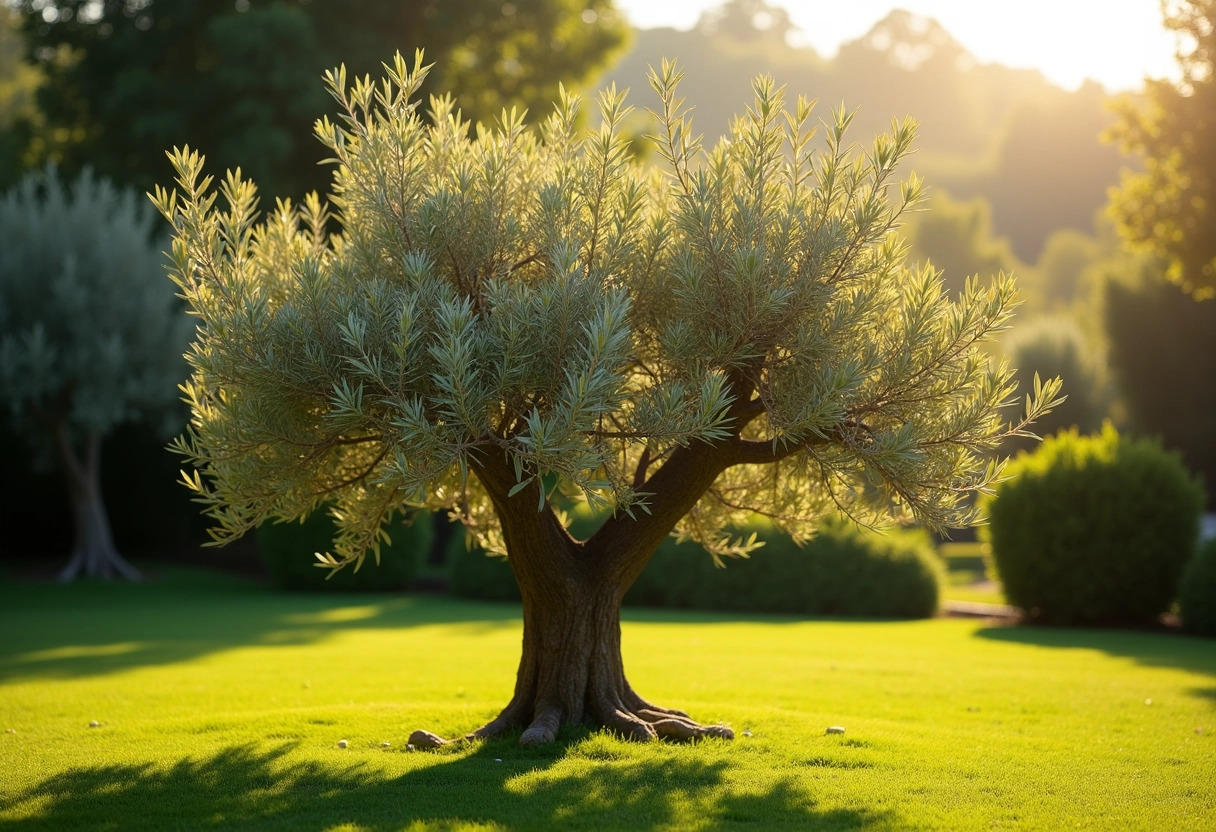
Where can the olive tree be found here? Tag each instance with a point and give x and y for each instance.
(91, 337)
(510, 319)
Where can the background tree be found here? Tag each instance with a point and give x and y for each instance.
(1170, 207)
(986, 131)
(513, 316)
(757, 21)
(242, 80)
(1049, 146)
(957, 237)
(90, 337)
(1056, 346)
(18, 82)
(1163, 355)
(1064, 274)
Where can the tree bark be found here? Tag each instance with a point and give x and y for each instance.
(571, 670)
(93, 552)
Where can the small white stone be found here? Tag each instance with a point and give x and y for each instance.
(1148, 701)
(342, 743)
(498, 759)
(746, 733)
(385, 744)
(94, 724)
(835, 729)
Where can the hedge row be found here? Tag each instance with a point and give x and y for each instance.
(1197, 593)
(842, 571)
(288, 550)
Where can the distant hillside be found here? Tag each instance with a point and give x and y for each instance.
(1008, 135)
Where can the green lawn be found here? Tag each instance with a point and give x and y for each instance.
(221, 705)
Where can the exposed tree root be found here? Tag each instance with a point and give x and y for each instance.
(543, 728)
(641, 722)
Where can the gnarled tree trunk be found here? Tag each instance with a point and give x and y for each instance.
(571, 669)
(93, 552)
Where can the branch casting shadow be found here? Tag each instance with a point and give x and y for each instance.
(493, 785)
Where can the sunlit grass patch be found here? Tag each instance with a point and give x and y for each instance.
(221, 705)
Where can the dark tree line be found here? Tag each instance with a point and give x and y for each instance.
(128, 79)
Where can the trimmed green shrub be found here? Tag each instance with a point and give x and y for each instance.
(1094, 530)
(288, 550)
(843, 570)
(1197, 592)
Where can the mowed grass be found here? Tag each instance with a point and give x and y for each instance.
(221, 705)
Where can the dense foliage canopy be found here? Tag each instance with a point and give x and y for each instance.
(537, 298)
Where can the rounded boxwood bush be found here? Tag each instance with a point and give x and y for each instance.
(288, 550)
(841, 571)
(1094, 530)
(1197, 592)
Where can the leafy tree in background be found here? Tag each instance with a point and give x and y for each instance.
(1065, 270)
(1056, 346)
(1170, 207)
(757, 21)
(1006, 135)
(1163, 354)
(907, 62)
(1049, 139)
(18, 82)
(90, 337)
(510, 316)
(241, 80)
(957, 237)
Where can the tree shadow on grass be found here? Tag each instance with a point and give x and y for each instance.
(1150, 648)
(94, 628)
(493, 786)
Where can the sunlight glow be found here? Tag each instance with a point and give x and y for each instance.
(1117, 44)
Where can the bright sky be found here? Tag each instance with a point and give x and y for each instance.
(1115, 42)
